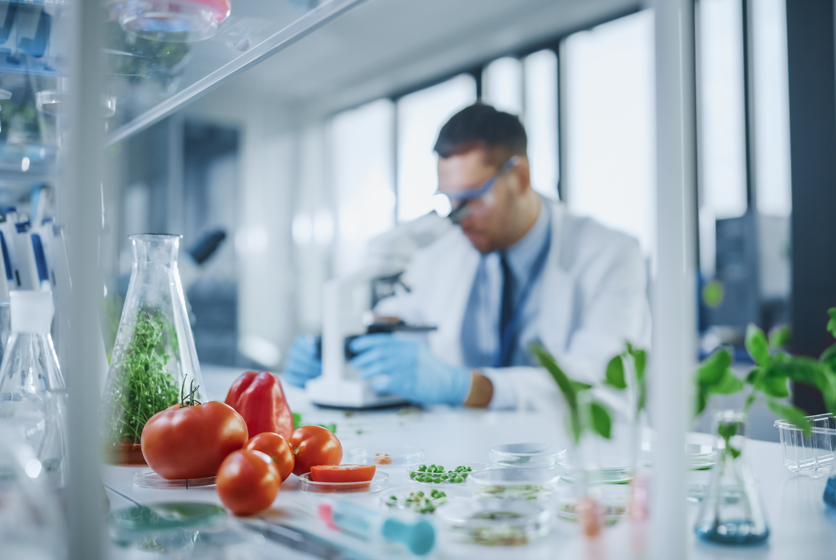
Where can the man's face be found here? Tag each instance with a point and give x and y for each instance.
(490, 228)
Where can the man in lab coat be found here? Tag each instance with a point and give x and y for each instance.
(519, 269)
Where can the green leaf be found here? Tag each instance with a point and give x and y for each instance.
(779, 337)
(831, 324)
(601, 419)
(563, 382)
(567, 386)
(615, 373)
(297, 420)
(752, 376)
(757, 344)
(729, 383)
(792, 414)
(829, 356)
(713, 368)
(775, 386)
(700, 404)
(640, 362)
(727, 429)
(713, 293)
(580, 385)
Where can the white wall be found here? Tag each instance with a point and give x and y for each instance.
(268, 167)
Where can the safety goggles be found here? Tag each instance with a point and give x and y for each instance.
(478, 200)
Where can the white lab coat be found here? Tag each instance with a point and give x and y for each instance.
(594, 298)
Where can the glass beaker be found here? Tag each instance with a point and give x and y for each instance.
(732, 511)
(32, 390)
(154, 356)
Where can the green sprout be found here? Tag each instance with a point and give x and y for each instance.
(770, 378)
(584, 413)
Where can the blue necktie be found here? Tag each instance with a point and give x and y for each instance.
(506, 309)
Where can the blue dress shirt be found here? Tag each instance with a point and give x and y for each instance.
(480, 327)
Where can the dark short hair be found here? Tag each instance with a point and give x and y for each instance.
(480, 126)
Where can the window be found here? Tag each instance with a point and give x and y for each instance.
(720, 110)
(420, 117)
(502, 85)
(610, 150)
(541, 120)
(771, 110)
(361, 155)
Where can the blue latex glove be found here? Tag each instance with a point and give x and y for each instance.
(408, 368)
(302, 363)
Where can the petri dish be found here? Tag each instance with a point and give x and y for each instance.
(446, 479)
(524, 455)
(150, 479)
(165, 517)
(492, 523)
(170, 20)
(379, 482)
(404, 500)
(614, 500)
(514, 484)
(385, 456)
(612, 469)
(700, 457)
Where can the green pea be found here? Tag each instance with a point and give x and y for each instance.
(459, 479)
(412, 475)
(420, 494)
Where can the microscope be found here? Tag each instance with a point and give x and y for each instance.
(348, 305)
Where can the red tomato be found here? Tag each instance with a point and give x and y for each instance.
(248, 482)
(192, 441)
(314, 445)
(342, 473)
(275, 447)
(382, 459)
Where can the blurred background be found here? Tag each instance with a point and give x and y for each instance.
(295, 164)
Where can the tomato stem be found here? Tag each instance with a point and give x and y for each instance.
(188, 399)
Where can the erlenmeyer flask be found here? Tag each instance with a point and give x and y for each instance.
(32, 523)
(32, 390)
(732, 511)
(154, 354)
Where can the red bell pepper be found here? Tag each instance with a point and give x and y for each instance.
(259, 398)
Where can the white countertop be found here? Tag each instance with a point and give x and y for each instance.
(801, 527)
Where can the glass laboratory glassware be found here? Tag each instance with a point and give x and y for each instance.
(5, 326)
(732, 512)
(154, 357)
(32, 390)
(32, 524)
(170, 20)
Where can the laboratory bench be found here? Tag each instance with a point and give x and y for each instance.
(800, 524)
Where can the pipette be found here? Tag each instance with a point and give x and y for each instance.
(368, 524)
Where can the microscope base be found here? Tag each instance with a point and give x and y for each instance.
(348, 394)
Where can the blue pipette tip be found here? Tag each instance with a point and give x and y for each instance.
(419, 537)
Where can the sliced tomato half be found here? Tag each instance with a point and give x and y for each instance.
(342, 473)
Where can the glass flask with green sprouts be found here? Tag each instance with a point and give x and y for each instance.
(154, 355)
(732, 512)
